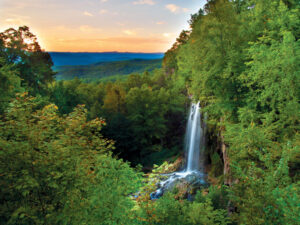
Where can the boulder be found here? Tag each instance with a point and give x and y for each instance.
(184, 184)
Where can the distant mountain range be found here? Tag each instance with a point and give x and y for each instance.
(103, 65)
(86, 58)
(106, 70)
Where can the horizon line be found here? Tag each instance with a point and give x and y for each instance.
(105, 52)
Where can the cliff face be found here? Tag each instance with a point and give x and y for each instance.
(217, 156)
(226, 168)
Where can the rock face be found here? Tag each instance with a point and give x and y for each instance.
(185, 184)
(226, 170)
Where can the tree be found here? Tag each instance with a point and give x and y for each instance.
(114, 100)
(21, 49)
(169, 211)
(58, 170)
(264, 193)
(10, 83)
(170, 61)
(64, 95)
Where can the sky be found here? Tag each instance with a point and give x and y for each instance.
(101, 25)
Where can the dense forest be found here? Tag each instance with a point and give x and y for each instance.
(75, 152)
(87, 58)
(106, 70)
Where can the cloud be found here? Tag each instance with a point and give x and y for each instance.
(144, 2)
(169, 35)
(103, 11)
(129, 32)
(17, 21)
(66, 32)
(103, 0)
(115, 40)
(176, 9)
(14, 21)
(87, 14)
(120, 24)
(173, 8)
(89, 29)
(29, 4)
(160, 22)
(75, 41)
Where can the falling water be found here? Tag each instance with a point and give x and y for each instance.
(194, 146)
(193, 138)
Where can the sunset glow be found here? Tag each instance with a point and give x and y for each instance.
(101, 25)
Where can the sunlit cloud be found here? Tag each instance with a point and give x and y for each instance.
(120, 24)
(87, 14)
(173, 8)
(56, 22)
(72, 30)
(60, 28)
(65, 32)
(160, 22)
(176, 9)
(30, 4)
(89, 29)
(133, 44)
(18, 5)
(129, 32)
(103, 11)
(144, 2)
(134, 40)
(169, 35)
(14, 21)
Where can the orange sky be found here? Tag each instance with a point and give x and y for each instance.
(101, 25)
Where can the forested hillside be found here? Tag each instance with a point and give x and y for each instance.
(91, 153)
(86, 58)
(94, 72)
(241, 59)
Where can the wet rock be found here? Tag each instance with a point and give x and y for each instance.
(184, 184)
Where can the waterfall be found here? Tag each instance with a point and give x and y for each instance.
(194, 135)
(194, 147)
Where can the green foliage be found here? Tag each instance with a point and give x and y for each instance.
(58, 170)
(10, 83)
(216, 165)
(264, 193)
(241, 60)
(218, 195)
(274, 83)
(169, 211)
(170, 61)
(20, 49)
(145, 113)
(105, 70)
(68, 94)
(286, 205)
(208, 214)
